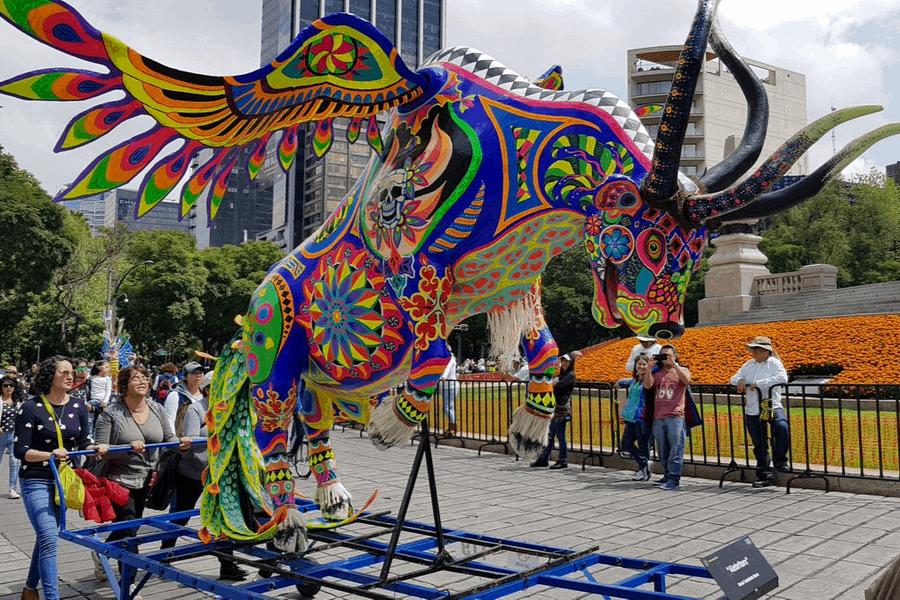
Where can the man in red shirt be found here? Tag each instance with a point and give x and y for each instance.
(669, 382)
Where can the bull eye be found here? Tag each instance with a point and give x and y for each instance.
(627, 200)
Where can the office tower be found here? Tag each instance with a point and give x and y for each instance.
(244, 213)
(93, 208)
(303, 197)
(719, 110)
(120, 208)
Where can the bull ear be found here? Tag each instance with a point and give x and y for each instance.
(552, 79)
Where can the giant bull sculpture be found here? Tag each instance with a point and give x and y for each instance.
(481, 179)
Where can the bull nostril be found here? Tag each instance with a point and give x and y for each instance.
(667, 331)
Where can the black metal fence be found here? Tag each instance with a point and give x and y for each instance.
(835, 430)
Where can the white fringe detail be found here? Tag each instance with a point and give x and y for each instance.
(290, 535)
(528, 433)
(334, 501)
(508, 325)
(386, 429)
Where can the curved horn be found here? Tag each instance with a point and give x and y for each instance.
(700, 208)
(661, 182)
(740, 161)
(812, 184)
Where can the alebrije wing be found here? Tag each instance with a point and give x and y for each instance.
(340, 66)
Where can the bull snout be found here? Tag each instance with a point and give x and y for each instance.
(666, 331)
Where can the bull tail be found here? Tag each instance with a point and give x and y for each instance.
(233, 488)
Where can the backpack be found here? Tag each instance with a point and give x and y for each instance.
(164, 387)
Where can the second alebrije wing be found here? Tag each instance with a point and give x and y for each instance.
(338, 66)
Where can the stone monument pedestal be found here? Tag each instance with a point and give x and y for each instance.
(735, 263)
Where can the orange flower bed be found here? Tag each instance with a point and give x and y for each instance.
(865, 348)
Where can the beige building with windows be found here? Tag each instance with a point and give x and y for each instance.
(719, 110)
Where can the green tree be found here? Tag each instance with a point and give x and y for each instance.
(38, 238)
(164, 298)
(234, 273)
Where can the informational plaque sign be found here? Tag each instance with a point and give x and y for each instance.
(741, 570)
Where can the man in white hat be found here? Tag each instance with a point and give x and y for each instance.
(646, 345)
(759, 380)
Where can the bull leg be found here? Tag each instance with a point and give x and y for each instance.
(394, 420)
(331, 496)
(528, 430)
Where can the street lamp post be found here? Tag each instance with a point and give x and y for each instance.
(112, 327)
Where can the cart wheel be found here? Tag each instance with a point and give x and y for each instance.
(301, 461)
(308, 590)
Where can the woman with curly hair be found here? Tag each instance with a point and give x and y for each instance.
(134, 421)
(40, 423)
(13, 393)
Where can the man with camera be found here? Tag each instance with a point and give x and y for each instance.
(759, 381)
(669, 382)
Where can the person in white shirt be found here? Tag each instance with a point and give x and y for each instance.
(759, 380)
(185, 393)
(647, 346)
(449, 387)
(521, 367)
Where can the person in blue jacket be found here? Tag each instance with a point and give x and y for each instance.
(635, 434)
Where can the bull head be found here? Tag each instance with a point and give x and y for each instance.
(646, 236)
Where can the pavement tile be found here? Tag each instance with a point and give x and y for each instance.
(874, 555)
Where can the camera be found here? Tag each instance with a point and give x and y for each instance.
(660, 358)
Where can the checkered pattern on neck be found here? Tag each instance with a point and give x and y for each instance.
(496, 73)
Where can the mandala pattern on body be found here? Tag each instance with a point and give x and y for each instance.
(352, 325)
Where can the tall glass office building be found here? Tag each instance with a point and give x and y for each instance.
(304, 197)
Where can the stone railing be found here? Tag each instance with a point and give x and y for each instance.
(768, 290)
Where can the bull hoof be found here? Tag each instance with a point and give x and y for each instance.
(334, 501)
(528, 433)
(386, 430)
(290, 534)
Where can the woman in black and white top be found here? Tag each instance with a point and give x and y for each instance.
(11, 398)
(35, 443)
(134, 421)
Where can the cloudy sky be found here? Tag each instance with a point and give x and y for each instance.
(849, 51)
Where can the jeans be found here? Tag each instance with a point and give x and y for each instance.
(42, 511)
(670, 438)
(557, 432)
(6, 443)
(759, 437)
(636, 442)
(448, 395)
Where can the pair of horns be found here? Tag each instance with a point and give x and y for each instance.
(716, 202)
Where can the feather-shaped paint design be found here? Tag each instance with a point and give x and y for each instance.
(163, 178)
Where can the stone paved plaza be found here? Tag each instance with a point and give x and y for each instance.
(821, 545)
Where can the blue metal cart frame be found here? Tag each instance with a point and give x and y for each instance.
(358, 576)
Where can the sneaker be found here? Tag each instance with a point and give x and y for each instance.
(14, 495)
(641, 474)
(559, 465)
(539, 463)
(232, 572)
(661, 481)
(670, 486)
(761, 483)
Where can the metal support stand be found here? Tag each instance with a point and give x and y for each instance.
(424, 450)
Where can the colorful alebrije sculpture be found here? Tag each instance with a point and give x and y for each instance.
(482, 178)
